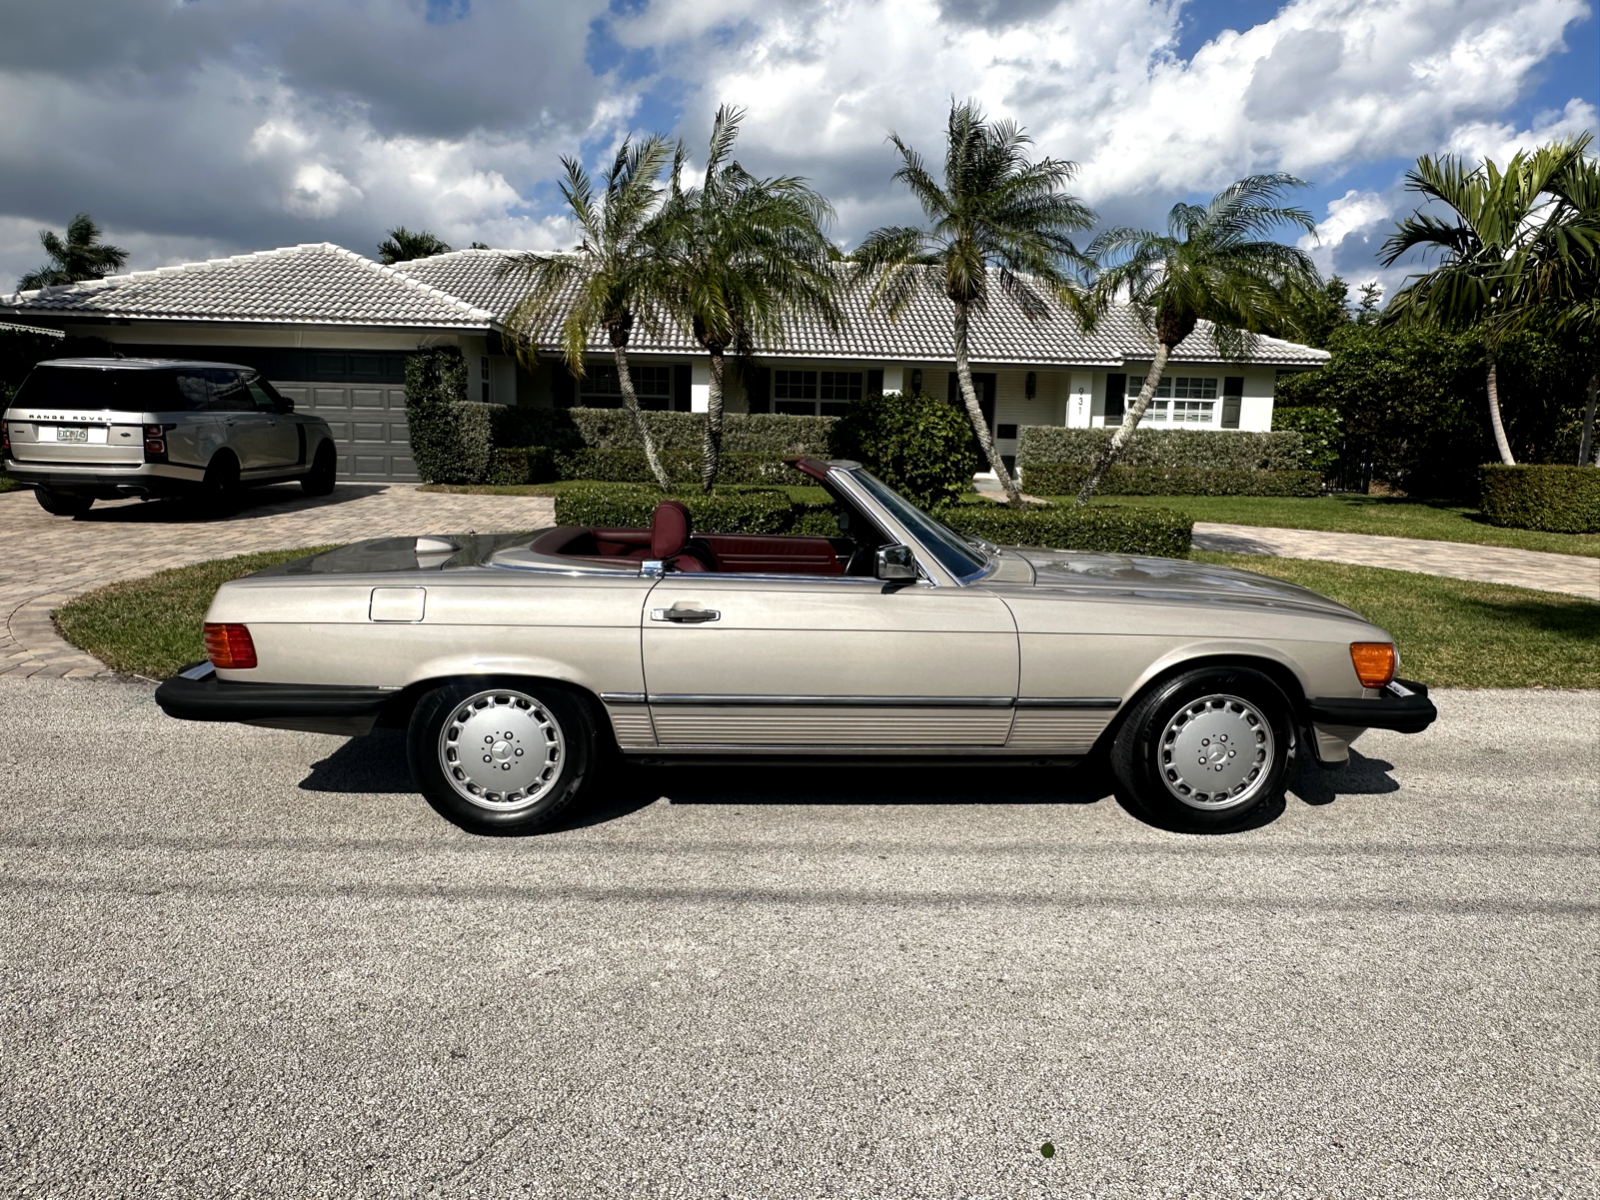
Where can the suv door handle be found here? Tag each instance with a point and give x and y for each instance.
(682, 614)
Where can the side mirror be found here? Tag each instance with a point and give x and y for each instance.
(896, 564)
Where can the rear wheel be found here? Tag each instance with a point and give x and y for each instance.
(320, 479)
(220, 486)
(62, 504)
(1207, 751)
(500, 760)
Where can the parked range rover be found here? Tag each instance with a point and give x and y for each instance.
(87, 429)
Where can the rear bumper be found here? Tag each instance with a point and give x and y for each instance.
(197, 694)
(106, 480)
(1402, 706)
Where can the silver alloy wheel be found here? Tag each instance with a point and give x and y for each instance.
(502, 750)
(1216, 752)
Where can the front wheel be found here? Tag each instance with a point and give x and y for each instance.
(500, 760)
(1207, 751)
(62, 504)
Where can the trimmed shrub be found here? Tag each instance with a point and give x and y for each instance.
(631, 507)
(450, 438)
(1063, 479)
(1320, 434)
(1555, 499)
(530, 464)
(1229, 449)
(612, 429)
(1151, 531)
(542, 464)
(921, 447)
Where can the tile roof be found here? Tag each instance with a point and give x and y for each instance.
(1002, 335)
(317, 283)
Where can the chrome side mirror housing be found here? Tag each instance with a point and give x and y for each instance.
(896, 564)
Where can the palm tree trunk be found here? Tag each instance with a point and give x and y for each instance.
(1130, 422)
(1494, 414)
(1588, 444)
(712, 459)
(630, 401)
(980, 426)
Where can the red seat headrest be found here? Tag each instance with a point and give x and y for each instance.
(669, 530)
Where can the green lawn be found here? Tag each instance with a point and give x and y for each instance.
(8, 484)
(1453, 633)
(152, 626)
(1435, 521)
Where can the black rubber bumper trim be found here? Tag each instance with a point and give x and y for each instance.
(1391, 710)
(214, 699)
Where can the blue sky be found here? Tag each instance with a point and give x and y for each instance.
(202, 129)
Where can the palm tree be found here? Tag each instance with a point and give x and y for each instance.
(613, 280)
(996, 212)
(81, 256)
(1215, 263)
(743, 254)
(403, 245)
(1485, 245)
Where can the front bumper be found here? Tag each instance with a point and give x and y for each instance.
(1402, 706)
(197, 694)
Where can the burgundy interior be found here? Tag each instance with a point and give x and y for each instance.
(669, 540)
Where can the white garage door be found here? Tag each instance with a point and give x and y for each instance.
(369, 426)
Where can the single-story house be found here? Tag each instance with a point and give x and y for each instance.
(332, 330)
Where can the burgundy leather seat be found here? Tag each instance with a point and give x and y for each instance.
(670, 526)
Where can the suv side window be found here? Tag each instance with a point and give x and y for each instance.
(195, 390)
(261, 393)
(228, 392)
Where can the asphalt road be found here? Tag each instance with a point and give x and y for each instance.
(238, 962)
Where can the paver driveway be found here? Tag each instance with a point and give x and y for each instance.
(49, 559)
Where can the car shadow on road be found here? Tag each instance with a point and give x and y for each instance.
(376, 765)
(269, 501)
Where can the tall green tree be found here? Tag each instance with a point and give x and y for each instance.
(997, 219)
(1217, 262)
(743, 255)
(403, 245)
(80, 256)
(1485, 243)
(615, 279)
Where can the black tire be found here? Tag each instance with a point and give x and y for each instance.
(320, 479)
(543, 721)
(1213, 715)
(62, 504)
(219, 490)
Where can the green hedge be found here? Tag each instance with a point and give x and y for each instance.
(1321, 434)
(612, 429)
(1229, 449)
(542, 464)
(1063, 479)
(920, 446)
(449, 436)
(631, 507)
(1150, 531)
(1555, 499)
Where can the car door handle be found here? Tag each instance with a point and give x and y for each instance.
(682, 614)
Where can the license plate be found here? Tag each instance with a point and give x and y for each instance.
(70, 433)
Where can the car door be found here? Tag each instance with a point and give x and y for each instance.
(826, 662)
(280, 434)
(243, 427)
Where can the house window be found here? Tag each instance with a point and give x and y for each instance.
(601, 386)
(483, 377)
(1179, 399)
(814, 393)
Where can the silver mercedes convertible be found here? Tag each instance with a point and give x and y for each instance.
(518, 663)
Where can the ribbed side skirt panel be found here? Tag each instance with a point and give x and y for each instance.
(632, 723)
(1058, 728)
(820, 727)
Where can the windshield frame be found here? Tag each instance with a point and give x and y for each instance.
(927, 533)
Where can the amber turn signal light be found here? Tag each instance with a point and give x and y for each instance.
(229, 647)
(1375, 662)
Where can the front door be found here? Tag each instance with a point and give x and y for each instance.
(820, 663)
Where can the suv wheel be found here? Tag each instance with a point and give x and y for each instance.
(1207, 751)
(500, 760)
(220, 487)
(320, 479)
(62, 504)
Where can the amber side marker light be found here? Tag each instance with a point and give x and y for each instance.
(229, 647)
(1375, 662)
